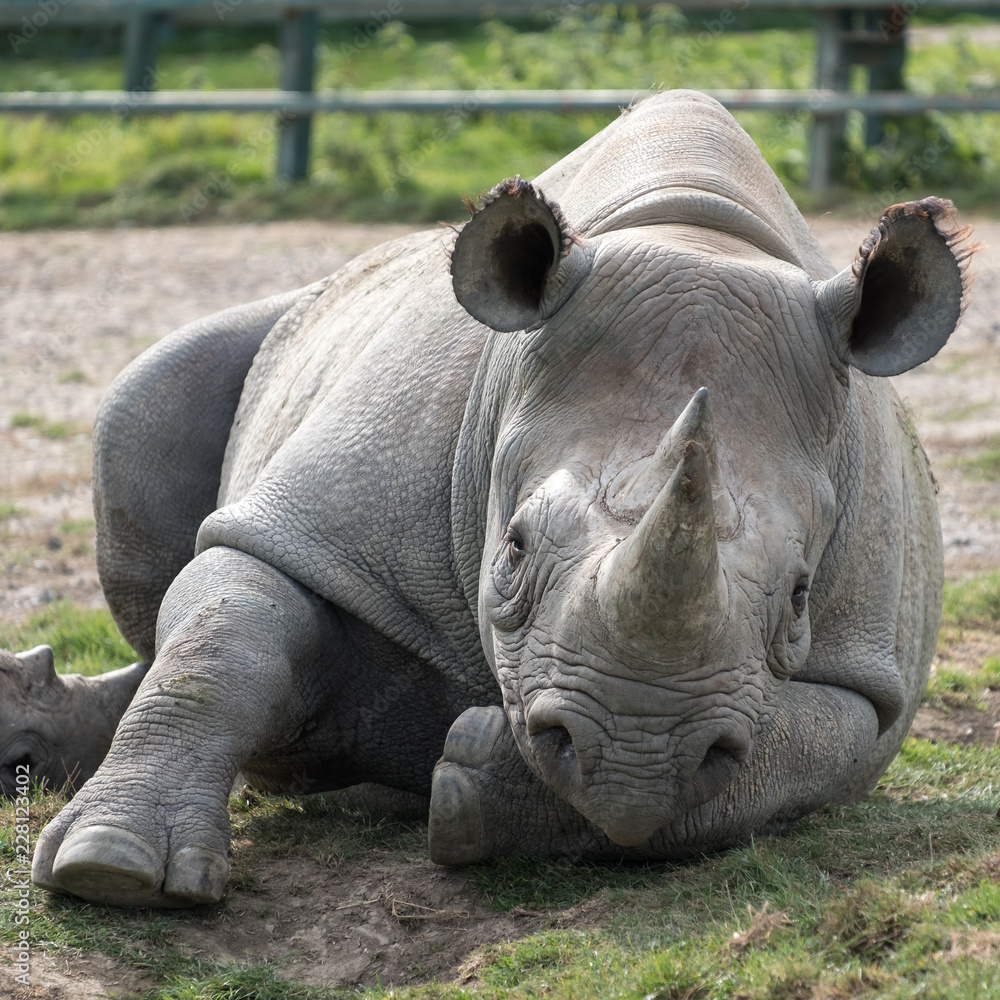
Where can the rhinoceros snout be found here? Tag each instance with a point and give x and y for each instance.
(630, 785)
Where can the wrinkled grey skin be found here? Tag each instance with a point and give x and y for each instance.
(654, 618)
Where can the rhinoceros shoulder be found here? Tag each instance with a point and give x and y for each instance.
(338, 471)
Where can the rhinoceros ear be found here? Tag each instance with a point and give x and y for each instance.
(38, 668)
(516, 261)
(899, 302)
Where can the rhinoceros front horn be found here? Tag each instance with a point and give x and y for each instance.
(662, 587)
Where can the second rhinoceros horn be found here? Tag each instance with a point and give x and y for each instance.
(663, 586)
(634, 491)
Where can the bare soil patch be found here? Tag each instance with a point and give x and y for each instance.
(375, 920)
(78, 306)
(69, 977)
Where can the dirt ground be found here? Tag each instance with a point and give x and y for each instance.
(78, 306)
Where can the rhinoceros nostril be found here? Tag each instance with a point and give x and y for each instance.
(555, 756)
(555, 742)
(726, 747)
(717, 769)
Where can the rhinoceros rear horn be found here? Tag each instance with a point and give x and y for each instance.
(899, 302)
(516, 260)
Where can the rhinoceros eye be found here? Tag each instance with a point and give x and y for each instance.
(515, 545)
(511, 582)
(799, 596)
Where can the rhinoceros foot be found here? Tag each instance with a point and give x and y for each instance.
(485, 802)
(106, 849)
(458, 828)
(108, 864)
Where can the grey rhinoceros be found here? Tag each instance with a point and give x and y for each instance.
(608, 502)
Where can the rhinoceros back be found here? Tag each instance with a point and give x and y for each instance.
(680, 157)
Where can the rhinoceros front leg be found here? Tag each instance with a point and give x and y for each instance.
(486, 802)
(238, 675)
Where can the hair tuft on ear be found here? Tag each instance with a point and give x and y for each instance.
(941, 212)
(513, 262)
(517, 187)
(907, 288)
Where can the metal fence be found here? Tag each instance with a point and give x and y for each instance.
(871, 33)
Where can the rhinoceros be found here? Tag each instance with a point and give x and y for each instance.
(56, 729)
(594, 520)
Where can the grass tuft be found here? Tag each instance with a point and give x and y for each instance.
(55, 431)
(951, 688)
(84, 641)
(986, 464)
(973, 602)
(236, 982)
(9, 509)
(870, 921)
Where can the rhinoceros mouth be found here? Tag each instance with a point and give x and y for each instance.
(606, 778)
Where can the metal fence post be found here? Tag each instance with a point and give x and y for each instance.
(831, 74)
(141, 30)
(888, 45)
(299, 33)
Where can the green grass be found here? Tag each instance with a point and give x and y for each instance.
(974, 602)
(102, 169)
(54, 430)
(84, 641)
(891, 893)
(955, 689)
(9, 509)
(985, 464)
(234, 982)
(82, 527)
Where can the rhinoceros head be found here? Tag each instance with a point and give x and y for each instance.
(663, 432)
(55, 729)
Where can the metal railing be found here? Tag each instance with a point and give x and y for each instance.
(878, 43)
